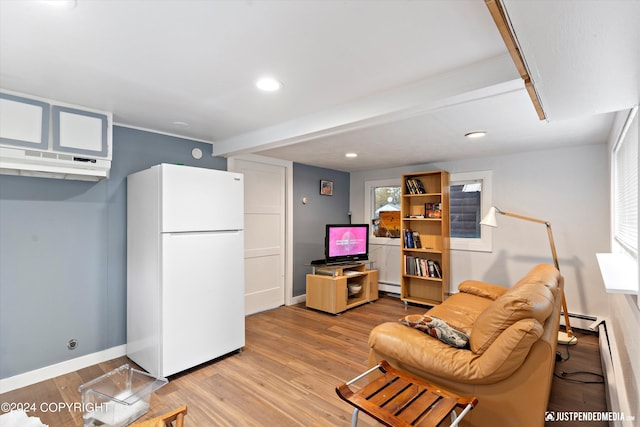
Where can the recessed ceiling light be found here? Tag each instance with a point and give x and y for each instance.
(268, 84)
(476, 134)
(351, 155)
(180, 124)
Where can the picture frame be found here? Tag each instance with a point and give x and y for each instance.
(326, 187)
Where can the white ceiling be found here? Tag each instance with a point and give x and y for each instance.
(398, 82)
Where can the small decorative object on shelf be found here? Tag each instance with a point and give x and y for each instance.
(433, 210)
(424, 217)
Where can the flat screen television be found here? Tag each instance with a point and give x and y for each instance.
(346, 243)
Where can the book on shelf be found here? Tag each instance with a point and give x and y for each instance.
(416, 240)
(414, 186)
(409, 187)
(412, 239)
(434, 269)
(421, 267)
(408, 239)
(437, 269)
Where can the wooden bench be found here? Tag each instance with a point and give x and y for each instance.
(165, 420)
(397, 399)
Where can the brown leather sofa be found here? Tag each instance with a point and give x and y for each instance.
(509, 362)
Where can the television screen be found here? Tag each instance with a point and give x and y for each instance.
(346, 242)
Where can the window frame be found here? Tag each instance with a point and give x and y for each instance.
(485, 242)
(620, 269)
(369, 208)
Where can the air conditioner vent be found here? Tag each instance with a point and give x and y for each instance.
(32, 153)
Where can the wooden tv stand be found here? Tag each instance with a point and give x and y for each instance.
(328, 287)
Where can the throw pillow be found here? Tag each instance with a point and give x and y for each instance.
(437, 328)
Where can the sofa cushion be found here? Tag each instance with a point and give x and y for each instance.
(527, 300)
(419, 352)
(543, 274)
(482, 289)
(460, 310)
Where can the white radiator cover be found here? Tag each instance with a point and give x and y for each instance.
(617, 396)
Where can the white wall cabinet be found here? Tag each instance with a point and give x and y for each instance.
(79, 132)
(33, 123)
(41, 137)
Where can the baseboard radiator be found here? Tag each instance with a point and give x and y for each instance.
(606, 358)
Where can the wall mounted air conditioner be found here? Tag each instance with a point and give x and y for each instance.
(45, 138)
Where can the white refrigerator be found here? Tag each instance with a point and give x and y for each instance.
(185, 266)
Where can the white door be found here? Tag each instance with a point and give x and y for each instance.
(264, 231)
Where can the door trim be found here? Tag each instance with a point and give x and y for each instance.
(288, 238)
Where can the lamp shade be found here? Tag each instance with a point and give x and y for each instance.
(490, 218)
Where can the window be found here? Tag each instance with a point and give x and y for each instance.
(469, 200)
(383, 196)
(619, 269)
(625, 188)
(465, 208)
(386, 207)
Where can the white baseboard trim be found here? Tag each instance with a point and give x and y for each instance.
(51, 371)
(299, 299)
(389, 287)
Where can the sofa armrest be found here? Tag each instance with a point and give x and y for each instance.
(482, 289)
(425, 353)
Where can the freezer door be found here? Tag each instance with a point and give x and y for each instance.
(198, 199)
(202, 298)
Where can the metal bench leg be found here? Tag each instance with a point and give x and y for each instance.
(354, 417)
(456, 420)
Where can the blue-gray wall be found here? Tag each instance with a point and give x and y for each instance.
(309, 219)
(63, 255)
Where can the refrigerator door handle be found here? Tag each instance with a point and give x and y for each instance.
(186, 233)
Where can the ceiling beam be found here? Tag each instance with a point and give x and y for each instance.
(506, 31)
(475, 81)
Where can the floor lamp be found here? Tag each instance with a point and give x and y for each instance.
(490, 220)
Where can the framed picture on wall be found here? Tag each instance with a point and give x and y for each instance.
(326, 187)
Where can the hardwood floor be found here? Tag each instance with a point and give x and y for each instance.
(578, 384)
(286, 375)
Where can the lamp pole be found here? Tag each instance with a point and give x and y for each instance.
(490, 220)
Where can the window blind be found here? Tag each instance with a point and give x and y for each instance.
(464, 210)
(625, 164)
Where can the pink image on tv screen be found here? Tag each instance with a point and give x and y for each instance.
(345, 241)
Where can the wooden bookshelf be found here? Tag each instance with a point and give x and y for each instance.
(424, 263)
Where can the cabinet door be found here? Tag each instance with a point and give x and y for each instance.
(80, 132)
(23, 122)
